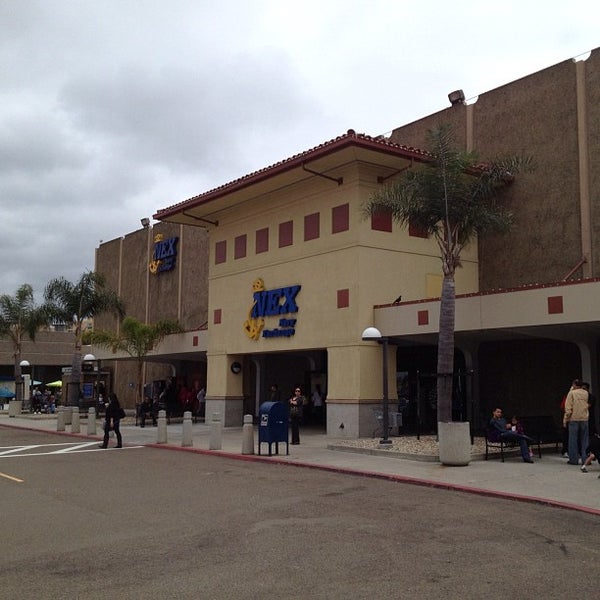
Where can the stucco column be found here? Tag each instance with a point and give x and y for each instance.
(355, 388)
(224, 389)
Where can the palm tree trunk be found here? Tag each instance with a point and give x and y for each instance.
(445, 365)
(140, 382)
(19, 385)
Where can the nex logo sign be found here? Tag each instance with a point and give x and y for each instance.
(281, 301)
(165, 253)
(165, 249)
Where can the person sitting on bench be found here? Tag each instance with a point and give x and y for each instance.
(498, 423)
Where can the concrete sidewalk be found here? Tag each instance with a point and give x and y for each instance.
(548, 481)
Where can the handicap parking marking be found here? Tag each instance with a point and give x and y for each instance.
(14, 449)
(50, 449)
(75, 448)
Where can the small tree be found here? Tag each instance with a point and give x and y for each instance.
(74, 303)
(135, 339)
(20, 318)
(455, 199)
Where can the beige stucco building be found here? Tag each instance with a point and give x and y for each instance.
(276, 274)
(302, 227)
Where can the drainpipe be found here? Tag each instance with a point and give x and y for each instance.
(584, 171)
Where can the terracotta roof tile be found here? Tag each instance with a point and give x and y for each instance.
(379, 143)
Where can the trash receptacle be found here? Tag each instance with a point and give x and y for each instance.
(273, 425)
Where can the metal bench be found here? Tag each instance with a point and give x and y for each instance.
(494, 440)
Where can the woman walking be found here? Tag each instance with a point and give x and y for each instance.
(114, 414)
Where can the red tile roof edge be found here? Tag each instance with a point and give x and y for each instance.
(378, 143)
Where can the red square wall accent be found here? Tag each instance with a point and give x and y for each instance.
(286, 234)
(381, 221)
(220, 252)
(217, 316)
(262, 240)
(195, 340)
(311, 227)
(555, 305)
(239, 247)
(343, 298)
(415, 230)
(340, 218)
(423, 317)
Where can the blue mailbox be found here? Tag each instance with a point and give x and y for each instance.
(273, 425)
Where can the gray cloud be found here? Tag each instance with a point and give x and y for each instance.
(111, 110)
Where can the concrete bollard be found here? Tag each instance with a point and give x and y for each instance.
(216, 432)
(186, 439)
(161, 431)
(68, 414)
(248, 435)
(60, 418)
(14, 408)
(75, 426)
(91, 423)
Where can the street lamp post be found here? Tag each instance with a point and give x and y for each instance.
(88, 365)
(372, 334)
(24, 364)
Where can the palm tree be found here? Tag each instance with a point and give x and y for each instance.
(20, 317)
(136, 339)
(74, 303)
(455, 199)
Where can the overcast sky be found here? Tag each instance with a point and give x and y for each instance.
(113, 109)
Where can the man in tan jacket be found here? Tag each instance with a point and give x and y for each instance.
(576, 419)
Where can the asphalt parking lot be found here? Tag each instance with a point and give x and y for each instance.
(80, 522)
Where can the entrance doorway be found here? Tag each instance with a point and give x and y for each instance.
(287, 371)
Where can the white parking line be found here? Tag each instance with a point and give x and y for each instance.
(72, 448)
(14, 449)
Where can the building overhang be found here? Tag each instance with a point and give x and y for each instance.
(325, 160)
(564, 311)
(189, 345)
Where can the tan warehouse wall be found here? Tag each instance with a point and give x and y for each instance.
(537, 115)
(180, 294)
